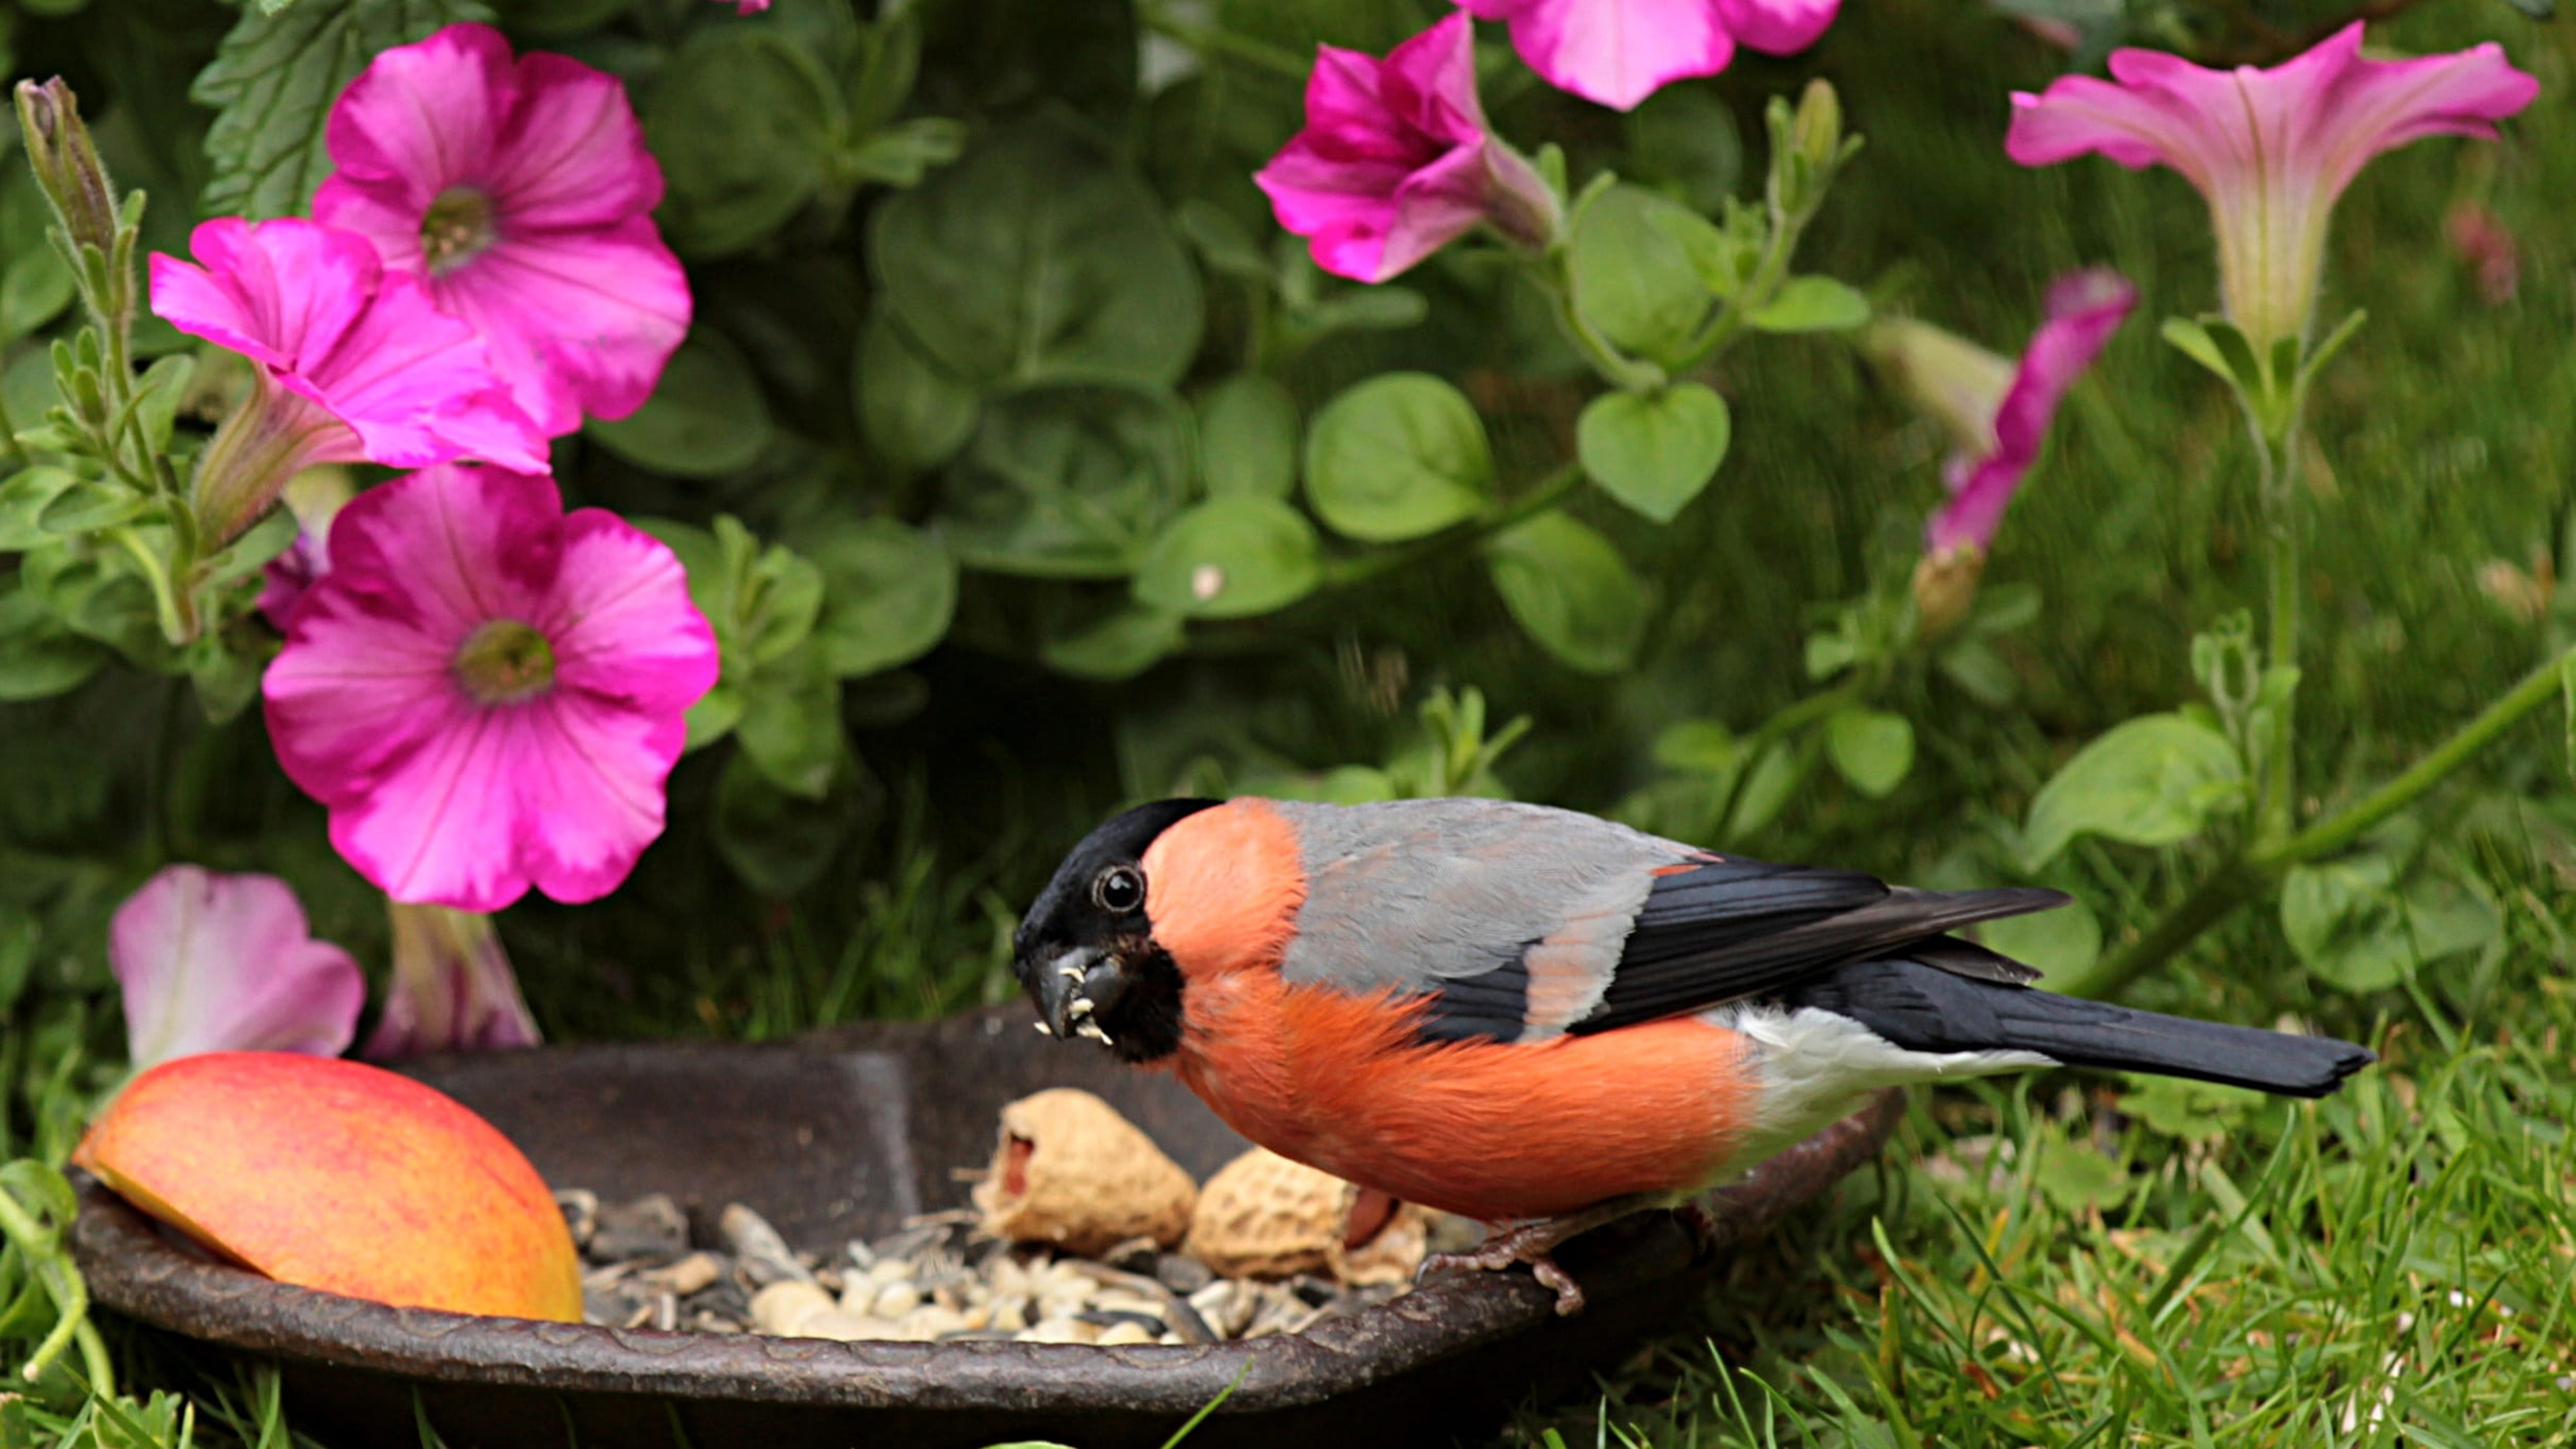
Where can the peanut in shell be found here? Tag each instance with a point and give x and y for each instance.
(1069, 1170)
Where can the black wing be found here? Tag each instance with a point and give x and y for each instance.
(1725, 929)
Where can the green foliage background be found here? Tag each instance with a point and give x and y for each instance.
(981, 315)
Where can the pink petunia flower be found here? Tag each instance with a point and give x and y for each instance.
(2000, 411)
(1396, 160)
(519, 189)
(1618, 52)
(486, 691)
(2270, 150)
(353, 364)
(213, 963)
(453, 989)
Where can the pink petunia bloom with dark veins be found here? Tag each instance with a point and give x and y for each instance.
(352, 364)
(1397, 161)
(519, 190)
(487, 692)
(2270, 150)
(1618, 52)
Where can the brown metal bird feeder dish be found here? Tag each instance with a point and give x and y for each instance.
(846, 1133)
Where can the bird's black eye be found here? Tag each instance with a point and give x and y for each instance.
(1119, 890)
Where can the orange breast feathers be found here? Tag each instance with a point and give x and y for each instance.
(1491, 1130)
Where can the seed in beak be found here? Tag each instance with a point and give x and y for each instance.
(1071, 971)
(1092, 1030)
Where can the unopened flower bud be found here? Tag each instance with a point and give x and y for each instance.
(66, 163)
(1817, 129)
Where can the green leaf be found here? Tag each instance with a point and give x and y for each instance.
(272, 83)
(1067, 482)
(2193, 341)
(1636, 279)
(706, 417)
(1248, 437)
(1972, 664)
(1570, 590)
(1039, 258)
(791, 724)
(88, 505)
(1230, 557)
(1812, 304)
(2154, 780)
(776, 598)
(777, 842)
(2567, 699)
(1654, 451)
(39, 658)
(1398, 456)
(1683, 139)
(2065, 941)
(903, 153)
(744, 123)
(1871, 748)
(24, 500)
(914, 414)
(2356, 933)
(889, 593)
(1121, 646)
(36, 286)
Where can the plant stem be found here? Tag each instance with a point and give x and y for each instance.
(43, 1257)
(1851, 689)
(1210, 40)
(2333, 834)
(9, 437)
(2278, 814)
(1546, 494)
(2240, 880)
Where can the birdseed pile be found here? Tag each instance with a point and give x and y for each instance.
(1082, 1232)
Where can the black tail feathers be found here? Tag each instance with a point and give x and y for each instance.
(1924, 1007)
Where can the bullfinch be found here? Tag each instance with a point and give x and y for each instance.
(1543, 1020)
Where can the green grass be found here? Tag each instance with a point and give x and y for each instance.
(2076, 1262)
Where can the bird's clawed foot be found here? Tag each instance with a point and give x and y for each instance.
(1534, 1241)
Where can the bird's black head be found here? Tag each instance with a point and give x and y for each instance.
(1085, 952)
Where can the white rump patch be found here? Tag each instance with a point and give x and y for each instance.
(1817, 1067)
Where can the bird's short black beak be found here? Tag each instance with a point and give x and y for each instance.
(1074, 988)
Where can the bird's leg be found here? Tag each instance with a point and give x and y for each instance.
(1534, 1241)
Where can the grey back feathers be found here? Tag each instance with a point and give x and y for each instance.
(1412, 893)
(1522, 922)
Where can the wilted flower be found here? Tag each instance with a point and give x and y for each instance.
(1618, 52)
(211, 963)
(2481, 239)
(453, 989)
(1997, 412)
(520, 191)
(354, 364)
(1396, 160)
(2270, 150)
(487, 691)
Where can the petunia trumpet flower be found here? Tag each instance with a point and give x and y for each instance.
(2270, 150)
(488, 692)
(209, 962)
(519, 191)
(453, 989)
(1998, 412)
(1396, 160)
(351, 364)
(1618, 52)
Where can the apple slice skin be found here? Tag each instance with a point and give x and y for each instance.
(339, 1176)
